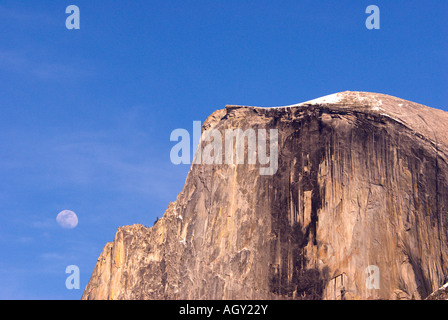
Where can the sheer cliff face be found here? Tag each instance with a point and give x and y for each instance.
(361, 181)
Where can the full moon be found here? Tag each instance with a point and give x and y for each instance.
(67, 219)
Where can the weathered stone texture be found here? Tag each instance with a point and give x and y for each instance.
(362, 180)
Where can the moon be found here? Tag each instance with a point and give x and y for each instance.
(67, 219)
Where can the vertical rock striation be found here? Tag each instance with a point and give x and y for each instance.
(361, 181)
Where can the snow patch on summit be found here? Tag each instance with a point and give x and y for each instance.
(329, 99)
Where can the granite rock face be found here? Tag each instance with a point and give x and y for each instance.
(362, 181)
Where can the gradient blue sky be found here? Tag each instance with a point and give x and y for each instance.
(86, 115)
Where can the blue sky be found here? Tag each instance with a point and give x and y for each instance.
(86, 115)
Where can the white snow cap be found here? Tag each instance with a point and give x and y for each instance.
(328, 99)
(331, 98)
(350, 97)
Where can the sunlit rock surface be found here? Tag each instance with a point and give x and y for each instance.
(362, 180)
